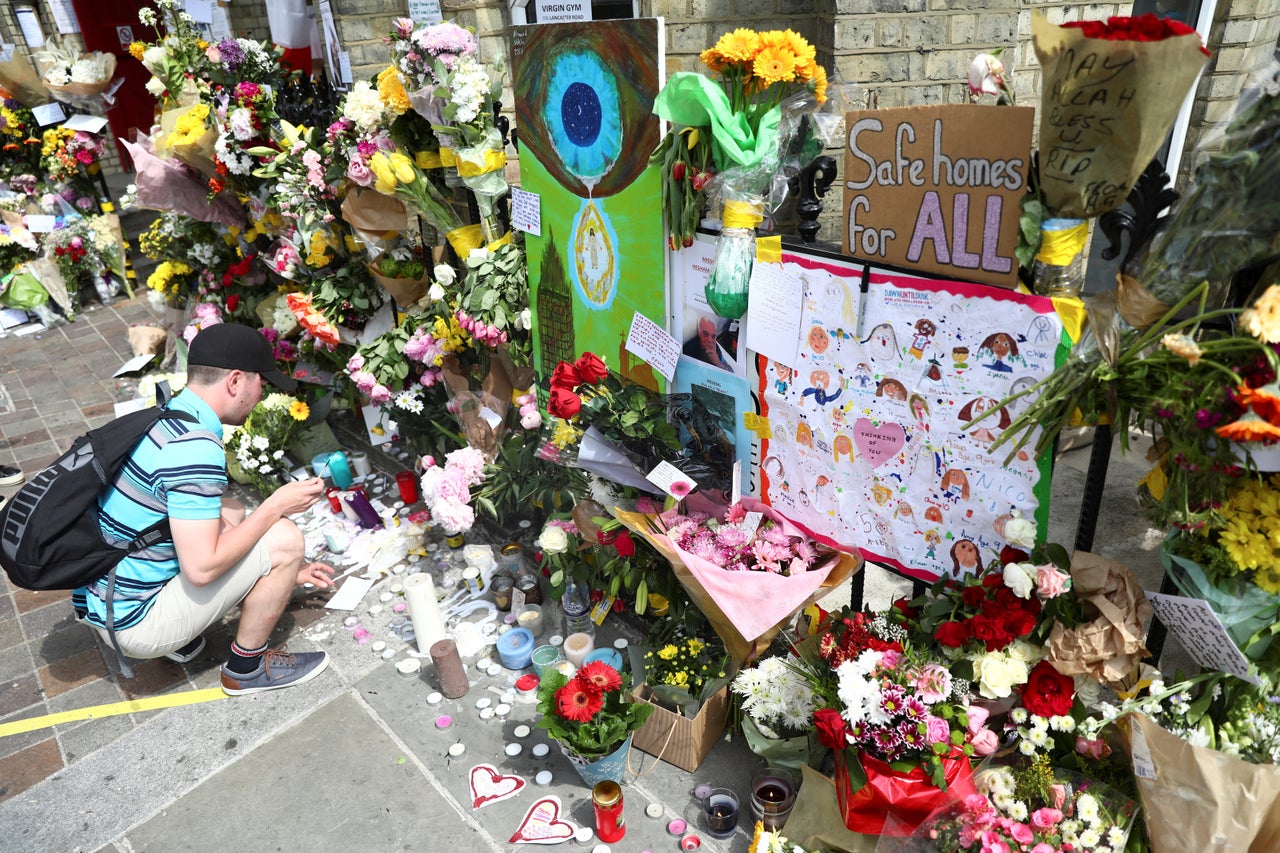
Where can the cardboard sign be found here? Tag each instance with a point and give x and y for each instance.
(937, 188)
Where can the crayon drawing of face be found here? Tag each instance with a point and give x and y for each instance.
(883, 343)
(932, 537)
(891, 389)
(964, 557)
(933, 514)
(1000, 344)
(956, 483)
(804, 435)
(904, 511)
(881, 494)
(818, 340)
(919, 408)
(784, 373)
(820, 379)
(843, 446)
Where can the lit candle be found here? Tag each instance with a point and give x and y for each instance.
(531, 617)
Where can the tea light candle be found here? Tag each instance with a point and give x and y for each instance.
(530, 617)
(577, 647)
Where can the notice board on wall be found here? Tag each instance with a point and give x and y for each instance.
(866, 437)
(933, 188)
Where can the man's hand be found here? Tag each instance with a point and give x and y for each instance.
(297, 496)
(317, 574)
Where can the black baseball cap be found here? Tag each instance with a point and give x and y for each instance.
(237, 347)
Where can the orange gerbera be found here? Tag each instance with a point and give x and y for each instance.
(774, 65)
(576, 702)
(1265, 401)
(600, 677)
(741, 45)
(799, 45)
(820, 84)
(1249, 427)
(713, 59)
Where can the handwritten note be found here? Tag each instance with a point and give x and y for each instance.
(1201, 633)
(526, 211)
(425, 11)
(651, 342)
(775, 303)
(671, 480)
(47, 114)
(86, 122)
(41, 223)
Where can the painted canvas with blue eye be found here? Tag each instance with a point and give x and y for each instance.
(585, 124)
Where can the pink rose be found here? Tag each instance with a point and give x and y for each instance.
(937, 730)
(1022, 833)
(359, 172)
(1044, 847)
(533, 420)
(1051, 583)
(977, 717)
(1095, 749)
(985, 742)
(1046, 818)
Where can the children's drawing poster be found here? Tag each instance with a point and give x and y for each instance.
(584, 105)
(868, 444)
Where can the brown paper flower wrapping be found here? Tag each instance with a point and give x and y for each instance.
(494, 395)
(1105, 109)
(88, 90)
(147, 340)
(405, 291)
(374, 213)
(1110, 647)
(20, 80)
(1196, 798)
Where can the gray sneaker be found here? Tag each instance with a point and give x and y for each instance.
(279, 669)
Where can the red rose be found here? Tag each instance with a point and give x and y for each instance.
(832, 730)
(993, 580)
(563, 403)
(565, 376)
(973, 596)
(591, 368)
(991, 632)
(952, 634)
(1010, 554)
(624, 544)
(1019, 623)
(904, 607)
(232, 302)
(1048, 693)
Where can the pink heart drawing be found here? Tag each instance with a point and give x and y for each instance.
(542, 824)
(878, 444)
(490, 786)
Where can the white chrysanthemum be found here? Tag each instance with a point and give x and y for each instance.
(364, 106)
(1087, 808)
(468, 88)
(1018, 810)
(1026, 747)
(1090, 838)
(410, 401)
(260, 442)
(1062, 723)
(279, 454)
(1117, 836)
(1039, 737)
(856, 692)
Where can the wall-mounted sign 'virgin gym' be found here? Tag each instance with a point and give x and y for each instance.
(937, 188)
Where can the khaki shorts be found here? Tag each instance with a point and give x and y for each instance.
(181, 611)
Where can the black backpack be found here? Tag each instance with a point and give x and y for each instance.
(49, 532)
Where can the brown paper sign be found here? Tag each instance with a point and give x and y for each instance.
(937, 188)
(1105, 109)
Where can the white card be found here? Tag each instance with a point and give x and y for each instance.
(492, 418)
(134, 364)
(425, 11)
(85, 122)
(651, 342)
(200, 10)
(350, 594)
(735, 491)
(526, 211)
(671, 480)
(47, 114)
(751, 523)
(381, 430)
(41, 223)
(137, 404)
(1201, 633)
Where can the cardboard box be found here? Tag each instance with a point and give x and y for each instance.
(677, 739)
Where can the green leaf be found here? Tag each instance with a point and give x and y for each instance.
(557, 577)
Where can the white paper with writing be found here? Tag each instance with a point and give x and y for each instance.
(425, 11)
(775, 304)
(559, 11)
(1201, 633)
(651, 342)
(526, 211)
(47, 114)
(41, 223)
(85, 122)
(348, 597)
(671, 480)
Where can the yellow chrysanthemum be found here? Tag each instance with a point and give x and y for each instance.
(695, 645)
(318, 250)
(190, 126)
(391, 90)
(12, 127)
(299, 410)
(136, 49)
(739, 46)
(565, 434)
(1262, 319)
(668, 651)
(774, 65)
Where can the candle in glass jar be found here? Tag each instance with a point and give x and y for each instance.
(530, 617)
(606, 800)
(722, 812)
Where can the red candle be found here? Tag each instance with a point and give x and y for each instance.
(408, 483)
(334, 500)
(606, 799)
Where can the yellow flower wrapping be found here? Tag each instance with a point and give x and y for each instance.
(493, 161)
(741, 214)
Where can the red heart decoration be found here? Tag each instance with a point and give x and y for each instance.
(542, 824)
(490, 786)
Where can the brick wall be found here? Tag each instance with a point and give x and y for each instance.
(694, 25)
(249, 19)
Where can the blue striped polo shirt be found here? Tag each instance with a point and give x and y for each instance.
(178, 469)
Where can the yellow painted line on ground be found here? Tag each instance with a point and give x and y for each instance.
(150, 703)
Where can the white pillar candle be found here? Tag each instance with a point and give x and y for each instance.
(577, 647)
(424, 610)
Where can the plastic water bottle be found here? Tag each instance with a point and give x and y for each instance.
(576, 605)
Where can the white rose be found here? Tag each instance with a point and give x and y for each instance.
(1020, 533)
(154, 57)
(526, 319)
(1021, 578)
(445, 274)
(155, 86)
(554, 540)
(997, 675)
(1021, 650)
(436, 293)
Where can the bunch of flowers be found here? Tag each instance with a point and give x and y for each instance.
(258, 447)
(759, 69)
(396, 174)
(735, 545)
(19, 142)
(585, 393)
(591, 714)
(178, 62)
(65, 152)
(1036, 809)
(348, 295)
(204, 315)
(17, 246)
(493, 300)
(556, 543)
(891, 701)
(681, 668)
(1245, 542)
(85, 247)
(176, 281)
(240, 60)
(245, 112)
(313, 321)
(446, 488)
(67, 70)
(418, 51)
(777, 698)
